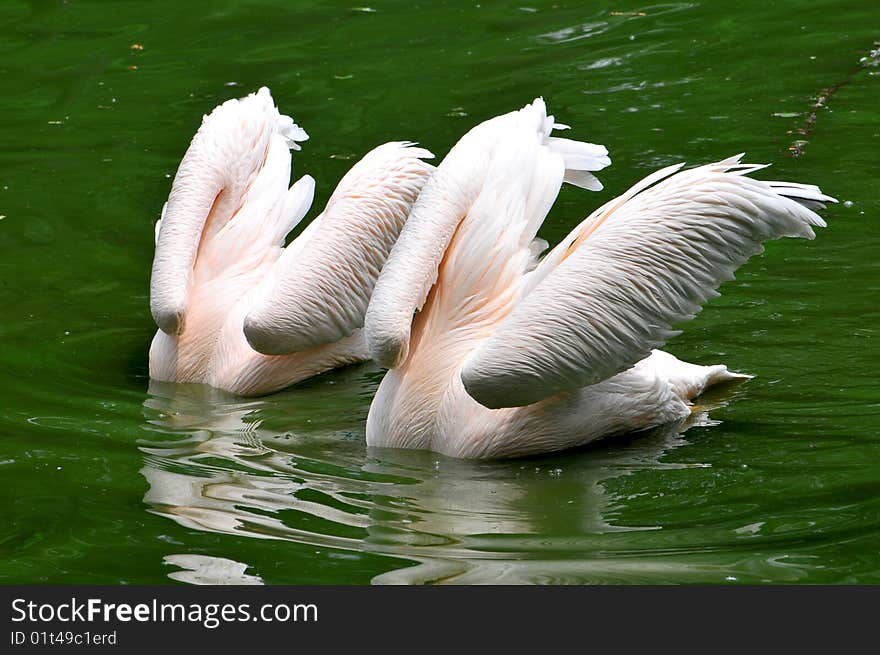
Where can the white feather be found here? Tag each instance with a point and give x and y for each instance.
(219, 251)
(505, 358)
(320, 295)
(649, 264)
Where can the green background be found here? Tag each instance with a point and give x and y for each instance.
(106, 480)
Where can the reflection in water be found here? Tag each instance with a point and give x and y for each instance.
(205, 570)
(538, 520)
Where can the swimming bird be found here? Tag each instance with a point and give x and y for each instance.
(510, 355)
(236, 309)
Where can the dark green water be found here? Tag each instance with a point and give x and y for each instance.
(105, 480)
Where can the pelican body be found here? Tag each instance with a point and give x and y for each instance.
(510, 355)
(236, 309)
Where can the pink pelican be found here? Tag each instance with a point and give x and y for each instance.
(224, 286)
(510, 355)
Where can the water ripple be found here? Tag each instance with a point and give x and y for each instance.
(452, 521)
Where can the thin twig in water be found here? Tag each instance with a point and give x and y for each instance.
(805, 131)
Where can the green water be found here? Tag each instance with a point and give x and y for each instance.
(106, 480)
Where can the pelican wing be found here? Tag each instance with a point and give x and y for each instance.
(322, 283)
(614, 288)
(214, 180)
(504, 174)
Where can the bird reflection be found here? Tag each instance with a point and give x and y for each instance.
(227, 465)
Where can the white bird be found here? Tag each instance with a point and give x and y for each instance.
(510, 356)
(223, 284)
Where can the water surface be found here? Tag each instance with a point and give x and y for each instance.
(107, 479)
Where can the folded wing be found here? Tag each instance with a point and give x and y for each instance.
(482, 178)
(323, 281)
(232, 147)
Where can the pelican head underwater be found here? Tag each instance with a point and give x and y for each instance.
(236, 309)
(436, 274)
(495, 353)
